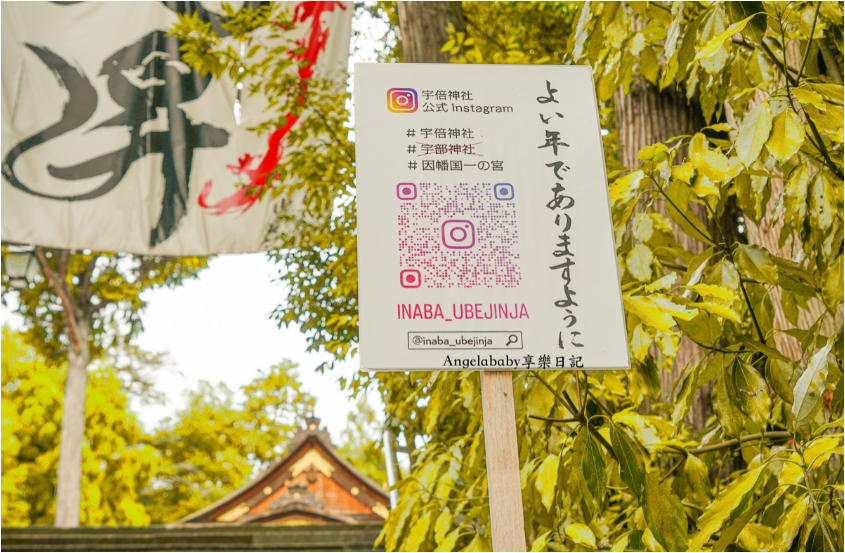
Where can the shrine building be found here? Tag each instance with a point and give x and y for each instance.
(310, 485)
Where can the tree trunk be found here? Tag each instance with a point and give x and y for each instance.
(69, 488)
(424, 27)
(643, 117)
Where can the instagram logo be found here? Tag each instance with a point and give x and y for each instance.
(458, 234)
(503, 191)
(410, 278)
(406, 191)
(402, 100)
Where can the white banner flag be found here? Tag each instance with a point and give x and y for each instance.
(111, 143)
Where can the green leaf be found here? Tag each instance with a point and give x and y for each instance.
(790, 523)
(795, 196)
(721, 508)
(779, 375)
(730, 415)
(581, 534)
(768, 351)
(756, 27)
(754, 133)
(787, 135)
(757, 263)
(821, 204)
(588, 466)
(547, 480)
(693, 481)
(649, 65)
(678, 195)
(685, 398)
(730, 533)
(832, 284)
(751, 393)
(631, 464)
(705, 329)
(810, 386)
(664, 515)
(795, 278)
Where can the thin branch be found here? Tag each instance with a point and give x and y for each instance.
(815, 503)
(681, 213)
(775, 435)
(809, 42)
(550, 419)
(60, 288)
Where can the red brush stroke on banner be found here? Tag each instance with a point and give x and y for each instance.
(314, 43)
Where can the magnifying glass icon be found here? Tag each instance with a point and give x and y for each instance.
(512, 339)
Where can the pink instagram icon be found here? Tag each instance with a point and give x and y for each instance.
(458, 234)
(410, 278)
(402, 100)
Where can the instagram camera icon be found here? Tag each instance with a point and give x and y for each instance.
(402, 100)
(410, 278)
(406, 191)
(458, 234)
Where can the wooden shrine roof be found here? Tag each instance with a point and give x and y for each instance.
(311, 484)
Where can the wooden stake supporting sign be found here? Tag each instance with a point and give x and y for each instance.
(485, 239)
(503, 482)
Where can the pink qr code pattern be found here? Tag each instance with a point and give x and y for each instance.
(457, 235)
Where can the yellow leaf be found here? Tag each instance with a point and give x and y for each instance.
(642, 227)
(676, 310)
(581, 534)
(721, 507)
(623, 186)
(683, 172)
(649, 313)
(754, 133)
(711, 164)
(547, 480)
(721, 310)
(540, 543)
(821, 449)
(713, 46)
(790, 523)
(662, 284)
(639, 262)
(809, 97)
(418, 532)
(787, 135)
(791, 472)
(640, 341)
(703, 187)
(715, 291)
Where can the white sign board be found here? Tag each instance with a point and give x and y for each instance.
(484, 232)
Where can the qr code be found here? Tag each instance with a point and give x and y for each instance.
(457, 235)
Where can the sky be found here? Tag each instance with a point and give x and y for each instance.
(227, 335)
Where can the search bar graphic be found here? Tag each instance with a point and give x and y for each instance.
(481, 340)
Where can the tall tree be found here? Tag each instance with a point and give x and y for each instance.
(115, 466)
(216, 443)
(68, 312)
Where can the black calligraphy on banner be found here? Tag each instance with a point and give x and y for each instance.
(560, 204)
(148, 81)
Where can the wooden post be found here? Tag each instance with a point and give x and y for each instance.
(503, 483)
